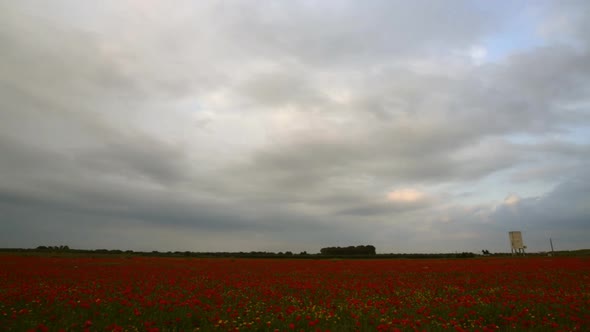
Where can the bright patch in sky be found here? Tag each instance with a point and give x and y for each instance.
(512, 199)
(405, 195)
(478, 54)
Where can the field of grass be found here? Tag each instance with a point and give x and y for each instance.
(190, 294)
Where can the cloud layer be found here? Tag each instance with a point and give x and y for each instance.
(415, 127)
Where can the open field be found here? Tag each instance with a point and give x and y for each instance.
(177, 294)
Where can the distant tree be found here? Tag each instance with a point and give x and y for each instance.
(351, 250)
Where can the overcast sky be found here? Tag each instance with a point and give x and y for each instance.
(414, 126)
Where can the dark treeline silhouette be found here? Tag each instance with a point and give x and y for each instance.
(351, 250)
(53, 248)
(66, 250)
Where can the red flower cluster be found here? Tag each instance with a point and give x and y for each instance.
(163, 294)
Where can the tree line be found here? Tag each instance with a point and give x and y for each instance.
(367, 250)
(356, 252)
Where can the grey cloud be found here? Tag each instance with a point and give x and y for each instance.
(561, 213)
(566, 158)
(326, 33)
(382, 208)
(313, 110)
(308, 166)
(149, 158)
(425, 140)
(54, 62)
(539, 173)
(565, 207)
(280, 89)
(561, 148)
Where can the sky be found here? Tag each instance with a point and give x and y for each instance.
(413, 126)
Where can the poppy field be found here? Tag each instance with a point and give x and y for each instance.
(190, 294)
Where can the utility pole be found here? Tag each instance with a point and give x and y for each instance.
(551, 243)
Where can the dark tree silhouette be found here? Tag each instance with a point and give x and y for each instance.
(351, 250)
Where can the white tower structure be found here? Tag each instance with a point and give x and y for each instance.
(516, 244)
